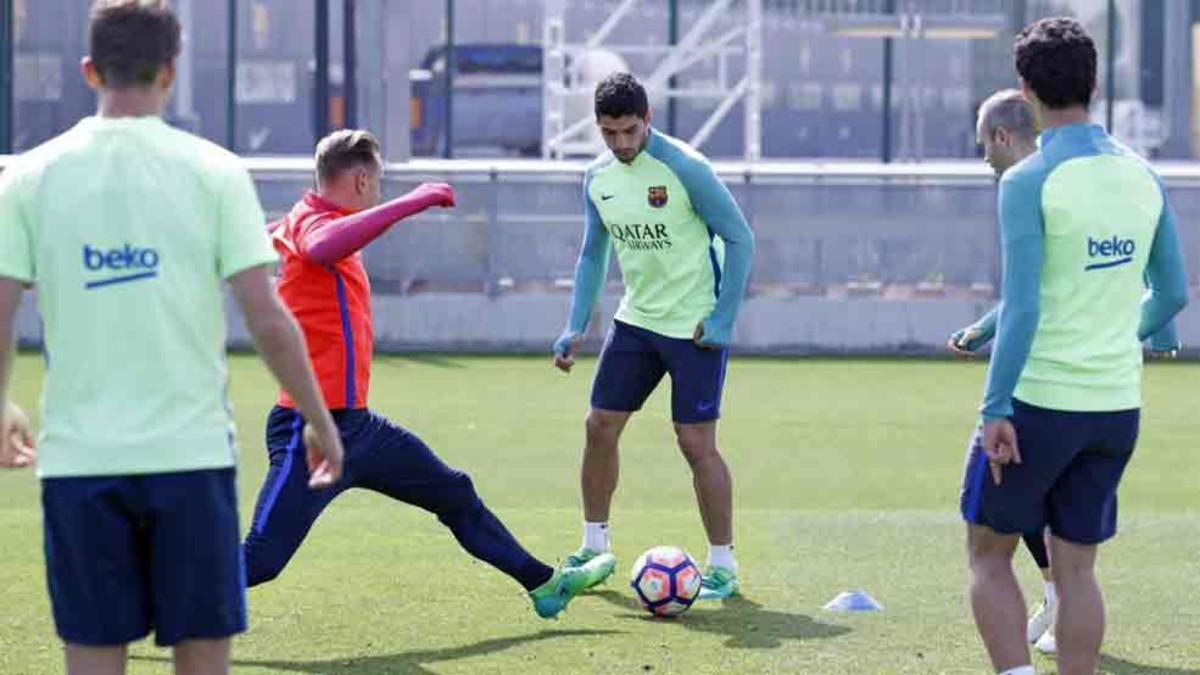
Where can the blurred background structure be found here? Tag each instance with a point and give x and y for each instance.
(844, 127)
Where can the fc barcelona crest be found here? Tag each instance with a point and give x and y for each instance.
(658, 196)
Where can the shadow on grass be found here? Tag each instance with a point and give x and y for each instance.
(746, 624)
(1114, 666)
(435, 360)
(403, 663)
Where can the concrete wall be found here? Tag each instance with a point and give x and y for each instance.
(851, 258)
(474, 322)
(529, 323)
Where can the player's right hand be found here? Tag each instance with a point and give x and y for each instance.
(565, 348)
(439, 194)
(18, 448)
(960, 341)
(324, 453)
(1000, 446)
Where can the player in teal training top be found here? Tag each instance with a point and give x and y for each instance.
(1007, 131)
(684, 249)
(1084, 222)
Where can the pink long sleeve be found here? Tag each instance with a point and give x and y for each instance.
(329, 241)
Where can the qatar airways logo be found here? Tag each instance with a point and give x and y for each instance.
(1107, 253)
(119, 265)
(642, 236)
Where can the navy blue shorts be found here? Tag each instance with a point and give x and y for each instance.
(633, 362)
(126, 555)
(1071, 465)
(381, 456)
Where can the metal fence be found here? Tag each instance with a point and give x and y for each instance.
(833, 83)
(834, 229)
(839, 230)
(851, 257)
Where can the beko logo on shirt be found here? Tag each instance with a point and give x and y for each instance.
(1111, 252)
(126, 264)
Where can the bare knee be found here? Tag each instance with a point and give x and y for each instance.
(202, 657)
(990, 565)
(988, 552)
(83, 660)
(697, 442)
(1070, 561)
(604, 428)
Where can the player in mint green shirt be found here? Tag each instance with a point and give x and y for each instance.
(1085, 227)
(1007, 131)
(684, 249)
(127, 228)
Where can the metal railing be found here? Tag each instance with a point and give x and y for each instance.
(833, 229)
(836, 230)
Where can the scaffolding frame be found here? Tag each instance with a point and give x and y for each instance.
(562, 78)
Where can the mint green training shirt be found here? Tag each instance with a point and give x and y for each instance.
(127, 226)
(682, 243)
(1085, 227)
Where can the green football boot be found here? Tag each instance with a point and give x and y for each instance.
(600, 565)
(552, 597)
(718, 583)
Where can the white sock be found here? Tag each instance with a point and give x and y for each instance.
(1020, 670)
(1051, 594)
(721, 556)
(595, 536)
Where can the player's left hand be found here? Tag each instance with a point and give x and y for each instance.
(18, 448)
(1000, 446)
(707, 336)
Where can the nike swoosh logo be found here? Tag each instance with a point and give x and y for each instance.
(705, 407)
(605, 198)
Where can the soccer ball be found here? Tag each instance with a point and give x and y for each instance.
(666, 581)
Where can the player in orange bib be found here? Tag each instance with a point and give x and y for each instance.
(325, 285)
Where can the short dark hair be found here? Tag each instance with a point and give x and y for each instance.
(620, 94)
(1009, 109)
(1057, 59)
(345, 149)
(130, 40)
